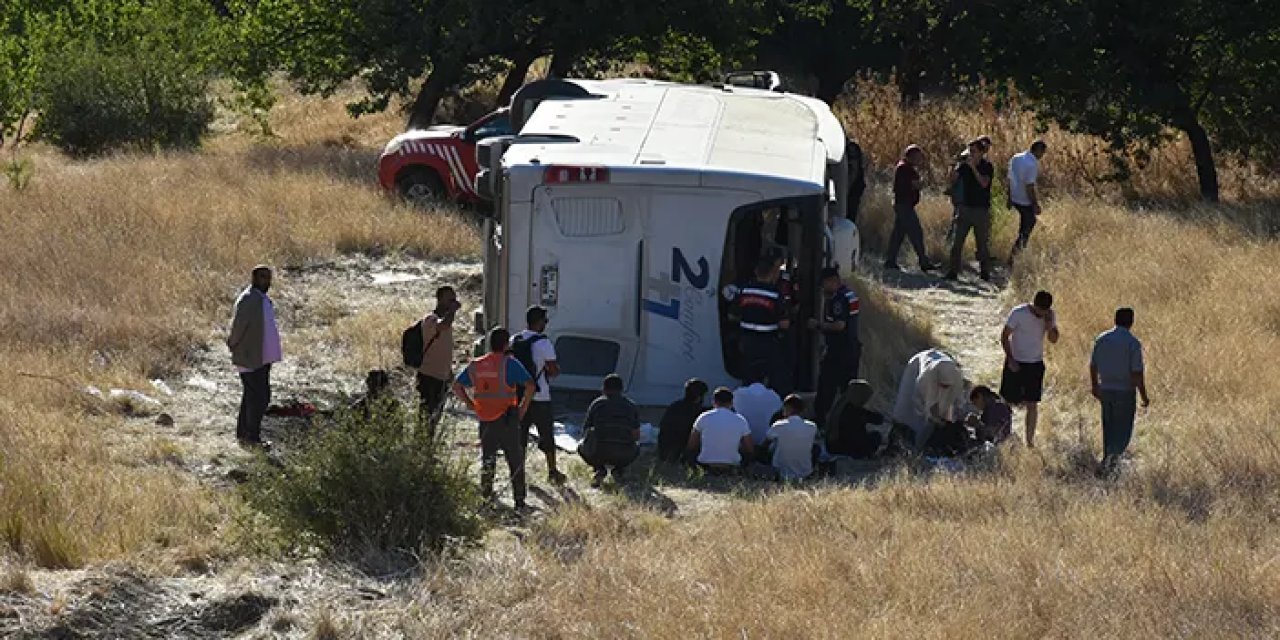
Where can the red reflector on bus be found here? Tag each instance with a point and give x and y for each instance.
(565, 174)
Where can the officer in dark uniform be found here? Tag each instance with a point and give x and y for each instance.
(782, 380)
(839, 327)
(761, 314)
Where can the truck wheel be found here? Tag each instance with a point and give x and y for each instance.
(421, 187)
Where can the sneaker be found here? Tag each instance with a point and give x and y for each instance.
(522, 506)
(986, 277)
(556, 478)
(952, 275)
(892, 266)
(930, 266)
(598, 480)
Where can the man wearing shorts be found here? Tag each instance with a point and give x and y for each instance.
(1023, 342)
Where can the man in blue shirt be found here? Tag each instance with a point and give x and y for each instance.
(1116, 371)
(488, 387)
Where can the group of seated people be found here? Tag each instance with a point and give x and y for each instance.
(754, 427)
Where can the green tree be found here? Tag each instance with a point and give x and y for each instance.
(1131, 70)
(912, 41)
(389, 44)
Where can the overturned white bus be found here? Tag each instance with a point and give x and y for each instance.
(627, 206)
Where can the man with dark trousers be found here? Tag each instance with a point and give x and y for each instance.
(255, 345)
(839, 327)
(762, 315)
(906, 222)
(488, 387)
(972, 175)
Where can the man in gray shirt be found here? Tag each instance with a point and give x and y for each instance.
(1116, 371)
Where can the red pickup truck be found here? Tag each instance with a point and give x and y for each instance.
(438, 163)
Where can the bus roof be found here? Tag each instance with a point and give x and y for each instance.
(683, 127)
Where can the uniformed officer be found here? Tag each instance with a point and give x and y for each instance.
(782, 379)
(761, 313)
(839, 327)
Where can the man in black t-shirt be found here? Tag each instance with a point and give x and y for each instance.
(974, 174)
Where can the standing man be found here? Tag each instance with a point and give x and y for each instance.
(906, 222)
(1115, 372)
(1023, 342)
(534, 350)
(954, 192)
(762, 315)
(437, 354)
(255, 345)
(488, 387)
(1024, 168)
(839, 327)
(974, 174)
(612, 431)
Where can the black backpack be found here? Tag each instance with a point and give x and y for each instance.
(411, 348)
(522, 351)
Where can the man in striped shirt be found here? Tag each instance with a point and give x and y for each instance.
(762, 316)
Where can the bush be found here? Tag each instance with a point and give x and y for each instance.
(93, 102)
(370, 483)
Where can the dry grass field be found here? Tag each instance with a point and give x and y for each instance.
(117, 268)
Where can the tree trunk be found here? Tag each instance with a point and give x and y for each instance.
(515, 78)
(561, 65)
(830, 86)
(1206, 171)
(423, 110)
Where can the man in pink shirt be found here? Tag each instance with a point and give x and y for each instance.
(255, 345)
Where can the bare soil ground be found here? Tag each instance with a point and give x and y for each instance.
(323, 309)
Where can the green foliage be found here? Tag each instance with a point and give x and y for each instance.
(1130, 70)
(144, 65)
(18, 171)
(92, 103)
(376, 483)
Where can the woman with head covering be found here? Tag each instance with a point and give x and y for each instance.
(931, 388)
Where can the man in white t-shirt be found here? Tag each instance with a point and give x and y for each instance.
(545, 367)
(1023, 342)
(721, 437)
(758, 404)
(793, 439)
(1024, 168)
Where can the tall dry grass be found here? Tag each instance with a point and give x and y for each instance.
(1076, 165)
(1183, 545)
(115, 269)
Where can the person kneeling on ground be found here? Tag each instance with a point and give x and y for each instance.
(721, 437)
(931, 387)
(677, 421)
(794, 442)
(376, 399)
(846, 423)
(612, 431)
(994, 420)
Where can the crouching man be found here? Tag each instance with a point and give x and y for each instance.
(612, 431)
(721, 437)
